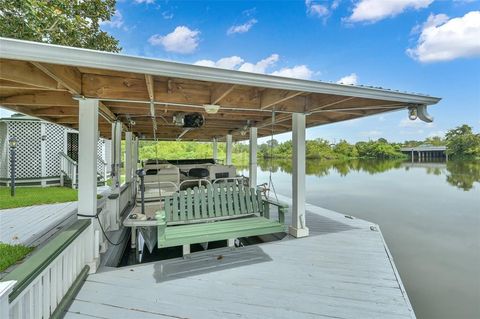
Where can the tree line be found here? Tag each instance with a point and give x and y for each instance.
(460, 141)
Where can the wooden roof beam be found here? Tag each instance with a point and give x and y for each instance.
(71, 79)
(150, 86)
(25, 73)
(219, 91)
(68, 77)
(270, 97)
(47, 98)
(337, 100)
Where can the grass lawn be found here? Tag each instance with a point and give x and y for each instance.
(10, 254)
(28, 196)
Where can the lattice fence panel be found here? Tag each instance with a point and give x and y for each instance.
(28, 157)
(4, 152)
(100, 152)
(54, 144)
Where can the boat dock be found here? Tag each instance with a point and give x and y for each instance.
(342, 270)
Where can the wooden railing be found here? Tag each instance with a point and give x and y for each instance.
(43, 286)
(68, 168)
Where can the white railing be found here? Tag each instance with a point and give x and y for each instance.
(68, 168)
(102, 168)
(125, 197)
(45, 292)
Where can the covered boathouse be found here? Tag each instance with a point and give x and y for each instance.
(326, 266)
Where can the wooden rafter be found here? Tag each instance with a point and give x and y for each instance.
(219, 92)
(25, 73)
(150, 86)
(67, 77)
(271, 97)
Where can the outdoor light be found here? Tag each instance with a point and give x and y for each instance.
(211, 108)
(412, 113)
(12, 142)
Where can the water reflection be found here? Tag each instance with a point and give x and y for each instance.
(461, 174)
(428, 212)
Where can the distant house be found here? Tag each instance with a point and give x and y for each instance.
(40, 148)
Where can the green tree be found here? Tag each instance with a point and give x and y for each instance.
(345, 149)
(64, 22)
(435, 141)
(461, 141)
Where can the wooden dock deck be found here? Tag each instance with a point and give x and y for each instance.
(33, 224)
(342, 270)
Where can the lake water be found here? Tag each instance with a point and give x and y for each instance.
(429, 214)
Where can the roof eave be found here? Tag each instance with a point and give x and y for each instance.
(55, 54)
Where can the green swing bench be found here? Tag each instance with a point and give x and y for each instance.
(217, 212)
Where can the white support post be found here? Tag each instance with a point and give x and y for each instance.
(298, 227)
(252, 155)
(128, 157)
(116, 152)
(215, 149)
(228, 140)
(87, 167)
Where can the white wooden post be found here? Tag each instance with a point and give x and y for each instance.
(215, 149)
(116, 152)
(6, 288)
(87, 167)
(228, 140)
(128, 157)
(252, 155)
(298, 227)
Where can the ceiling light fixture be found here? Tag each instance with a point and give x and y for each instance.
(412, 113)
(211, 108)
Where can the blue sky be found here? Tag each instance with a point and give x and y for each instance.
(424, 46)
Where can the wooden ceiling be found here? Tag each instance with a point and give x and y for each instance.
(46, 91)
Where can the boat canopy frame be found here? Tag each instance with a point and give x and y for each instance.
(94, 91)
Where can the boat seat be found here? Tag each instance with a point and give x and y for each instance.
(218, 212)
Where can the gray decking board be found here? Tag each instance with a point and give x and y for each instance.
(25, 225)
(342, 270)
(32, 225)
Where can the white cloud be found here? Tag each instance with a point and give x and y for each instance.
(144, 1)
(225, 63)
(350, 79)
(298, 71)
(242, 28)
(261, 66)
(442, 39)
(116, 21)
(181, 40)
(167, 15)
(375, 10)
(316, 9)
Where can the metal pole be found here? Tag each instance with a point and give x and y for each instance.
(12, 171)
